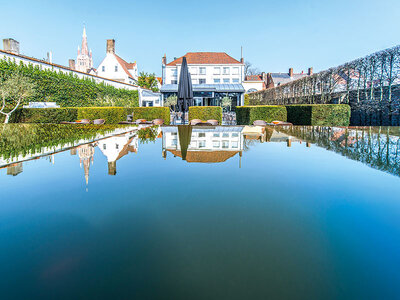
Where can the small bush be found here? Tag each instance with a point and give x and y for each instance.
(319, 114)
(246, 115)
(205, 113)
(150, 113)
(112, 115)
(246, 99)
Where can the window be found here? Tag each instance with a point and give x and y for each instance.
(202, 134)
(235, 80)
(235, 71)
(116, 146)
(217, 70)
(202, 144)
(104, 146)
(217, 80)
(174, 142)
(116, 68)
(226, 80)
(174, 81)
(103, 68)
(202, 81)
(235, 134)
(226, 71)
(202, 70)
(235, 144)
(193, 70)
(175, 72)
(225, 144)
(216, 135)
(225, 135)
(216, 144)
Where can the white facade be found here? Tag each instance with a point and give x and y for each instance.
(112, 68)
(253, 86)
(149, 98)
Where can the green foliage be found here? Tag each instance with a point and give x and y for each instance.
(148, 134)
(171, 101)
(67, 89)
(319, 114)
(14, 91)
(246, 99)
(148, 81)
(246, 115)
(205, 113)
(226, 103)
(112, 115)
(23, 139)
(151, 113)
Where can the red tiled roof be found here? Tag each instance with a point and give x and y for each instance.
(159, 79)
(125, 65)
(205, 156)
(254, 78)
(212, 58)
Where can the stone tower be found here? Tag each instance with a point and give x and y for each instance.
(84, 61)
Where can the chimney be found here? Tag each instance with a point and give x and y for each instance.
(71, 64)
(111, 46)
(310, 71)
(50, 57)
(11, 45)
(112, 168)
(242, 60)
(291, 72)
(164, 59)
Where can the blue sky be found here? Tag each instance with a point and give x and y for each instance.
(275, 35)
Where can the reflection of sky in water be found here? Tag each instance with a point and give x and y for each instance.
(291, 222)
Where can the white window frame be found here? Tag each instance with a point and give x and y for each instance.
(217, 70)
(193, 70)
(202, 69)
(226, 70)
(235, 71)
(217, 80)
(226, 80)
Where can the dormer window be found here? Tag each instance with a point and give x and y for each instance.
(103, 68)
(116, 68)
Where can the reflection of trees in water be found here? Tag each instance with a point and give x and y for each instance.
(377, 147)
(148, 134)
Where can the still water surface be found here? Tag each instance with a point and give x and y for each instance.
(247, 215)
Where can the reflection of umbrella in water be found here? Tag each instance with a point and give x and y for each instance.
(185, 135)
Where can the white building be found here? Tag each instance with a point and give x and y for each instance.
(255, 83)
(215, 75)
(114, 67)
(11, 52)
(149, 98)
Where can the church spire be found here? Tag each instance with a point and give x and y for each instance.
(85, 48)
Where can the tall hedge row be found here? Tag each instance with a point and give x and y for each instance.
(112, 115)
(205, 113)
(67, 89)
(246, 115)
(319, 114)
(151, 113)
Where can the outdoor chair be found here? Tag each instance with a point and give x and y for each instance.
(99, 121)
(260, 123)
(83, 121)
(158, 122)
(282, 123)
(195, 121)
(141, 121)
(213, 122)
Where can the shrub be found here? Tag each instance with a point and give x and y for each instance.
(67, 89)
(205, 113)
(319, 114)
(151, 113)
(112, 115)
(246, 99)
(246, 115)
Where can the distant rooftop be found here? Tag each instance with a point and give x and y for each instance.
(212, 58)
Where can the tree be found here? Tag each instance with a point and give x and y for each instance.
(250, 70)
(14, 91)
(171, 101)
(148, 81)
(226, 103)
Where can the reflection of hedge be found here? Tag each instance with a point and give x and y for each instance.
(68, 90)
(319, 114)
(150, 113)
(205, 113)
(246, 115)
(112, 115)
(22, 139)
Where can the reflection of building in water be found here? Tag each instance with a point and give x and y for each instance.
(116, 147)
(207, 145)
(14, 169)
(268, 134)
(86, 153)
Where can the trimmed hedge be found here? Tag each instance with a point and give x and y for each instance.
(246, 115)
(67, 89)
(151, 113)
(205, 113)
(112, 115)
(319, 114)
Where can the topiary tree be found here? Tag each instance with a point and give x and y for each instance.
(226, 103)
(171, 102)
(14, 91)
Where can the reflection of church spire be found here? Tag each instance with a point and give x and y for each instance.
(86, 153)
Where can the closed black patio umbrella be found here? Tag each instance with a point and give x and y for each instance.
(185, 89)
(185, 136)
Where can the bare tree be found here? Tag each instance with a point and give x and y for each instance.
(250, 70)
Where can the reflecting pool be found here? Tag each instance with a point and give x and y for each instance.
(224, 212)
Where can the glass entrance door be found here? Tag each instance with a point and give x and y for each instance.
(198, 101)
